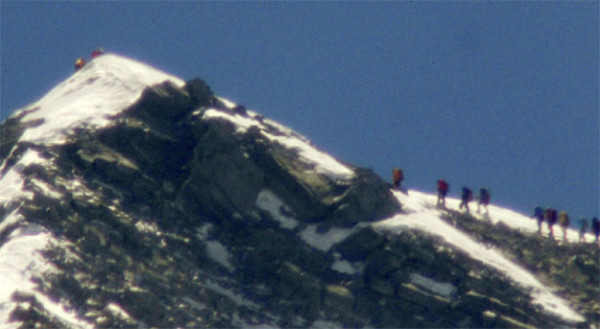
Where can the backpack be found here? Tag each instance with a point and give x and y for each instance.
(442, 186)
(538, 212)
(553, 216)
(484, 195)
(467, 194)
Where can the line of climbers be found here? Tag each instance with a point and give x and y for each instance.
(443, 187)
(466, 196)
(552, 216)
(80, 62)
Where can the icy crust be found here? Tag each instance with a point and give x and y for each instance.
(419, 213)
(104, 87)
(323, 163)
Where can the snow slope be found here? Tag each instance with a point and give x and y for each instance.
(421, 214)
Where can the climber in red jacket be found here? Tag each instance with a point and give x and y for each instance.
(97, 52)
(442, 188)
(398, 177)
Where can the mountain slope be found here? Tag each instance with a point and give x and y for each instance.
(132, 198)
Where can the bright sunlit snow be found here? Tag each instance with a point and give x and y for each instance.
(20, 261)
(11, 183)
(421, 214)
(104, 87)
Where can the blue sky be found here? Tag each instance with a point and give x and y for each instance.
(495, 94)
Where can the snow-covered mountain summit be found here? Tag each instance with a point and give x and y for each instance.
(129, 197)
(104, 87)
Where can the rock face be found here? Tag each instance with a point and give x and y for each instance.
(189, 211)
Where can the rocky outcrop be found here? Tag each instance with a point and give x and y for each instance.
(158, 225)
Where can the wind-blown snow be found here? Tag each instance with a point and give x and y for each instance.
(104, 87)
(420, 214)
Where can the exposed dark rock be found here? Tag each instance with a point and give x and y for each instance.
(160, 227)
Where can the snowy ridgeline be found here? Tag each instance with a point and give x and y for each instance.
(104, 87)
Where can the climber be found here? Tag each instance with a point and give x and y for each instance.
(484, 199)
(97, 52)
(583, 224)
(79, 63)
(467, 195)
(398, 177)
(442, 188)
(538, 213)
(596, 227)
(551, 220)
(564, 222)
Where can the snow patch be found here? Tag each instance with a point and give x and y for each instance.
(194, 304)
(202, 232)
(10, 220)
(269, 202)
(219, 253)
(346, 267)
(324, 241)
(11, 183)
(118, 312)
(443, 289)
(46, 189)
(230, 294)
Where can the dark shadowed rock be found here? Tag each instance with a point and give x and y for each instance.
(158, 225)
